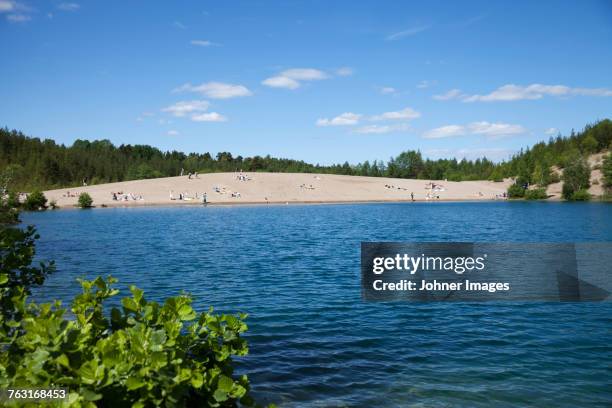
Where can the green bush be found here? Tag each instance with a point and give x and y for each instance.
(516, 191)
(85, 200)
(606, 169)
(581, 195)
(536, 194)
(576, 176)
(142, 354)
(36, 200)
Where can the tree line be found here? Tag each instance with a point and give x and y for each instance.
(42, 164)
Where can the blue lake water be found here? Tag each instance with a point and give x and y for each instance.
(313, 341)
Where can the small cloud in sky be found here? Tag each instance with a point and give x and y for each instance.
(292, 78)
(180, 25)
(18, 18)
(16, 12)
(172, 133)
(7, 6)
(344, 71)
(204, 43)
(345, 119)
(209, 117)
(511, 92)
(352, 119)
(452, 94)
(216, 90)
(382, 129)
(408, 32)
(551, 131)
(404, 114)
(426, 84)
(488, 129)
(69, 6)
(387, 90)
(281, 82)
(184, 108)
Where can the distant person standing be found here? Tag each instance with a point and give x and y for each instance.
(182, 171)
(204, 198)
(412, 196)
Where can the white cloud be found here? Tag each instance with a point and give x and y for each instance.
(344, 71)
(488, 129)
(495, 129)
(180, 25)
(445, 131)
(452, 94)
(7, 6)
(426, 84)
(203, 43)
(281, 82)
(184, 108)
(511, 92)
(407, 33)
(217, 90)
(304, 74)
(172, 133)
(18, 18)
(68, 6)
(387, 90)
(551, 131)
(345, 119)
(209, 117)
(17, 12)
(290, 79)
(381, 129)
(404, 114)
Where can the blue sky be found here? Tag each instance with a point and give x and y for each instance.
(322, 81)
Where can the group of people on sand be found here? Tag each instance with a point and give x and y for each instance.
(392, 187)
(307, 187)
(242, 177)
(120, 196)
(190, 175)
(69, 194)
(187, 197)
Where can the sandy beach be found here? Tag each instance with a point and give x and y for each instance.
(261, 188)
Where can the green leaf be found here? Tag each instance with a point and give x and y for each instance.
(133, 383)
(129, 304)
(225, 383)
(220, 395)
(90, 395)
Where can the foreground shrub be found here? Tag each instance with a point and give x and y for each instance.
(142, 354)
(516, 191)
(536, 194)
(36, 200)
(85, 200)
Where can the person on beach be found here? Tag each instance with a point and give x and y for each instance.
(412, 196)
(182, 171)
(204, 198)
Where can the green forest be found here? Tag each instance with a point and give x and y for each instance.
(33, 163)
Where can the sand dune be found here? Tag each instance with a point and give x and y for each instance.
(277, 188)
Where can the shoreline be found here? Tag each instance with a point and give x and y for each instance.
(284, 203)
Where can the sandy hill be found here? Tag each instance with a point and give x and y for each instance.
(595, 161)
(231, 188)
